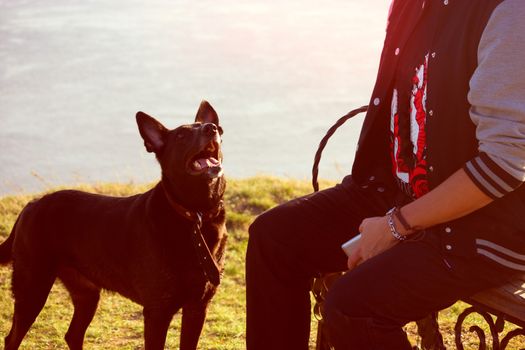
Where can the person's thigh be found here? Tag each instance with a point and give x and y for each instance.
(408, 282)
(311, 229)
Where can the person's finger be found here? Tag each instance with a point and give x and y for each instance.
(353, 260)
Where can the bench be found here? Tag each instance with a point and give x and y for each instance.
(506, 303)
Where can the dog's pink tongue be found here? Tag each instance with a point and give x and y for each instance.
(207, 162)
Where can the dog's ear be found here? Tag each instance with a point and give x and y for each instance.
(153, 133)
(206, 114)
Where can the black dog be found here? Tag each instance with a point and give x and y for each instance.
(163, 249)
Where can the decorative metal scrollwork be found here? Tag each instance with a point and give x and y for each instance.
(511, 335)
(495, 328)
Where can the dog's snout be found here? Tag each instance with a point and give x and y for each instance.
(210, 129)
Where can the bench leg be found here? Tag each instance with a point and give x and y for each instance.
(428, 330)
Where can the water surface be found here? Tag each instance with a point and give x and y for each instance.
(74, 73)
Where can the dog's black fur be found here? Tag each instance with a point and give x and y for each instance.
(137, 246)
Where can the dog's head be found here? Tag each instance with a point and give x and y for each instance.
(190, 155)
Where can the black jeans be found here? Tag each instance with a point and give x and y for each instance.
(368, 306)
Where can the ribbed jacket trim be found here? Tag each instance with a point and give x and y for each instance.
(502, 175)
(480, 182)
(502, 255)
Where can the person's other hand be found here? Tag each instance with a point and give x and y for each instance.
(375, 239)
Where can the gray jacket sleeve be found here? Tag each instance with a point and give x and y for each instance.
(497, 97)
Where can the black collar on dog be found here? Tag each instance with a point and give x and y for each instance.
(206, 260)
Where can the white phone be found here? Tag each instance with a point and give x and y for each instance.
(349, 246)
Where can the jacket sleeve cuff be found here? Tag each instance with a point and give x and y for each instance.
(492, 179)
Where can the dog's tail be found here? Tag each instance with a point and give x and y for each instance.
(6, 248)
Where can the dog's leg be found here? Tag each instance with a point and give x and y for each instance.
(193, 316)
(85, 308)
(31, 286)
(85, 297)
(156, 324)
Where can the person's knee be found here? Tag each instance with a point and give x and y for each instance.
(357, 317)
(260, 230)
(257, 227)
(268, 228)
(347, 296)
(261, 240)
(271, 247)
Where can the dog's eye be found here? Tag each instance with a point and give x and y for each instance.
(181, 135)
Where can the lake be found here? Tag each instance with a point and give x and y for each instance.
(279, 73)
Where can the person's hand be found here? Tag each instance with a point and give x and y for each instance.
(375, 239)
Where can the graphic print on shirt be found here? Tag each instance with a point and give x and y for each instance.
(415, 177)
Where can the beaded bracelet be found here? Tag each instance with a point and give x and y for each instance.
(390, 220)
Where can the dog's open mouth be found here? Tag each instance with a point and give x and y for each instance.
(206, 161)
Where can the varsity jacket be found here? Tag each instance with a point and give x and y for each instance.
(466, 101)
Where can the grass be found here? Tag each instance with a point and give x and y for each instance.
(118, 322)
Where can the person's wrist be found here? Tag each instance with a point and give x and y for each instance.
(387, 231)
(393, 226)
(400, 227)
(406, 226)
